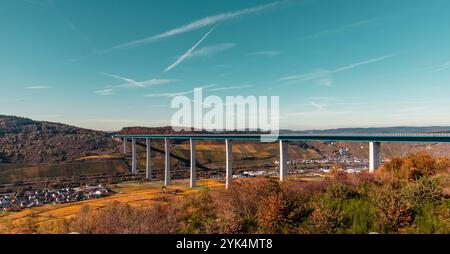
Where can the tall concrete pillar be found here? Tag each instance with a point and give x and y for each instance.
(167, 162)
(228, 163)
(124, 146)
(133, 156)
(283, 160)
(148, 172)
(193, 179)
(374, 155)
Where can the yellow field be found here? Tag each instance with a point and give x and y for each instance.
(132, 193)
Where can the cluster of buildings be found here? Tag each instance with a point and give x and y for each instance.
(329, 160)
(246, 174)
(34, 198)
(342, 155)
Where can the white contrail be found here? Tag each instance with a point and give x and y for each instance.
(131, 83)
(178, 93)
(211, 20)
(265, 53)
(318, 106)
(211, 50)
(188, 53)
(229, 88)
(36, 87)
(104, 92)
(324, 73)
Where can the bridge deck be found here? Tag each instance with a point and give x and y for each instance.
(403, 137)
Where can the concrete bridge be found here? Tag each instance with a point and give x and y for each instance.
(374, 140)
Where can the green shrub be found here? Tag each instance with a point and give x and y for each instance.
(429, 220)
(392, 208)
(197, 214)
(423, 191)
(327, 216)
(360, 216)
(341, 191)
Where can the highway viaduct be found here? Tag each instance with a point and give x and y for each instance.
(374, 140)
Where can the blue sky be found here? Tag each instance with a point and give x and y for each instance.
(106, 64)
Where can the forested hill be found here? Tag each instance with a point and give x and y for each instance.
(23, 140)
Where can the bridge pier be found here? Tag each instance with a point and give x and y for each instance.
(193, 179)
(283, 160)
(374, 156)
(148, 172)
(124, 146)
(167, 162)
(133, 156)
(228, 163)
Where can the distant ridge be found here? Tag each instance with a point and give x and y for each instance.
(356, 130)
(397, 129)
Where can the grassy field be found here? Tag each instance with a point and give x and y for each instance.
(132, 193)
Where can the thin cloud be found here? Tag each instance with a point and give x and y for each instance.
(168, 94)
(440, 67)
(432, 68)
(212, 50)
(178, 93)
(36, 87)
(418, 102)
(104, 92)
(229, 88)
(188, 53)
(323, 74)
(265, 53)
(352, 66)
(318, 106)
(207, 21)
(131, 83)
(344, 28)
(324, 106)
(325, 82)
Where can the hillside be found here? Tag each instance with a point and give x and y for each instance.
(23, 140)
